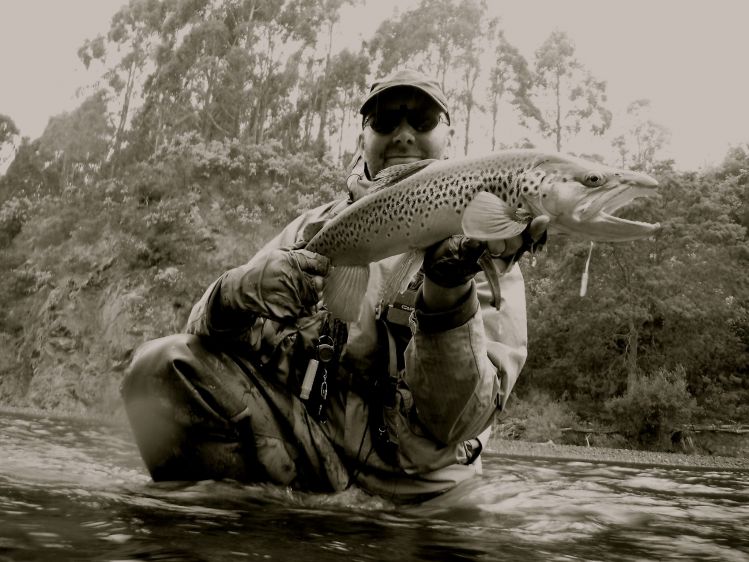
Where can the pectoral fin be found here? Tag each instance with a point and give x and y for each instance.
(487, 217)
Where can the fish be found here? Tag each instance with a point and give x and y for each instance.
(410, 207)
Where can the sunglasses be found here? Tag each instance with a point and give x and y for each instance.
(386, 121)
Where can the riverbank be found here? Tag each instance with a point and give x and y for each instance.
(515, 448)
(504, 447)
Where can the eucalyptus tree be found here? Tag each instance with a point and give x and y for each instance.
(640, 144)
(679, 300)
(8, 133)
(134, 32)
(567, 94)
(425, 38)
(509, 76)
(330, 10)
(443, 38)
(77, 142)
(347, 80)
(224, 68)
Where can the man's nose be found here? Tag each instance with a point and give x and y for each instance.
(404, 132)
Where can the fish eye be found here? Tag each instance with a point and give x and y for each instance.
(594, 179)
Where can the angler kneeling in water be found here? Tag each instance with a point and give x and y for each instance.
(267, 386)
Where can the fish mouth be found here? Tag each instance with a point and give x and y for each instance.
(595, 218)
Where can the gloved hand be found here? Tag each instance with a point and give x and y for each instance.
(454, 261)
(531, 239)
(282, 285)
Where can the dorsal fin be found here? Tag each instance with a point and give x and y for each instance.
(311, 229)
(394, 174)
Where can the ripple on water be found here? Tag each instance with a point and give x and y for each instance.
(80, 491)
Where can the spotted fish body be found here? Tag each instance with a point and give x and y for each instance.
(493, 197)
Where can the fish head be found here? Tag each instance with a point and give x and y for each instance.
(581, 197)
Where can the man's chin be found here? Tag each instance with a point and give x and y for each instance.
(397, 160)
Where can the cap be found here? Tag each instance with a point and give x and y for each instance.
(411, 79)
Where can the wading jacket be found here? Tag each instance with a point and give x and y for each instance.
(457, 370)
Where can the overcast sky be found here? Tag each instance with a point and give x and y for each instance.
(689, 57)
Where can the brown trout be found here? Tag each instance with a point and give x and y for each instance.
(493, 197)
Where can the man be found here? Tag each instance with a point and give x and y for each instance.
(267, 387)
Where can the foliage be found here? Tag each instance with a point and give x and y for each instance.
(511, 76)
(568, 96)
(446, 38)
(654, 407)
(78, 142)
(8, 133)
(218, 121)
(541, 415)
(679, 298)
(639, 145)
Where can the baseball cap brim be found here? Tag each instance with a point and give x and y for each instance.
(407, 79)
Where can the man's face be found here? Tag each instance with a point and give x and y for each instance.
(402, 116)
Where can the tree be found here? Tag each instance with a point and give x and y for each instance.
(8, 132)
(78, 141)
(474, 29)
(568, 95)
(227, 69)
(678, 300)
(424, 38)
(348, 82)
(331, 15)
(641, 143)
(134, 30)
(444, 38)
(511, 76)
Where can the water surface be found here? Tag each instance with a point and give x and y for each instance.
(77, 491)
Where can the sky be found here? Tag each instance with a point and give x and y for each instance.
(690, 58)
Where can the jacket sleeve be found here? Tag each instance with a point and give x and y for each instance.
(461, 364)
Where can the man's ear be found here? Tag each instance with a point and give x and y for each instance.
(357, 181)
(356, 161)
(448, 143)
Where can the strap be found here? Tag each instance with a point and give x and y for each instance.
(392, 354)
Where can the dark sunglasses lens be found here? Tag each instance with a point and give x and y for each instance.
(385, 122)
(422, 121)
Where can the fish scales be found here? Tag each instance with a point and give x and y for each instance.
(404, 212)
(409, 208)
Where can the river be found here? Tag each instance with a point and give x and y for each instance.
(72, 490)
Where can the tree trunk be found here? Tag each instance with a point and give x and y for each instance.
(470, 87)
(495, 117)
(559, 115)
(116, 145)
(344, 118)
(206, 124)
(324, 97)
(631, 361)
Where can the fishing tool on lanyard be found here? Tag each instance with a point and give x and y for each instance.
(584, 280)
(322, 366)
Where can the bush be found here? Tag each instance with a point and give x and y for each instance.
(654, 407)
(541, 416)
